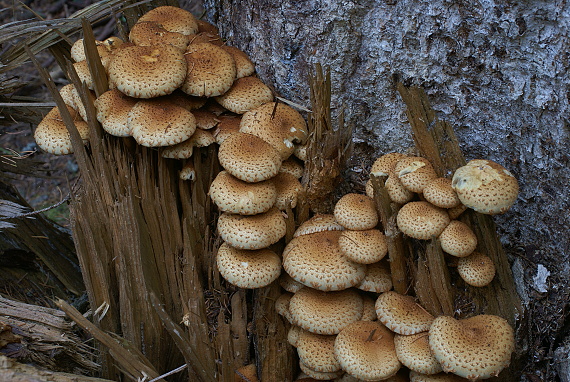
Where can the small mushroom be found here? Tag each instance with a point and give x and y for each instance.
(440, 193)
(401, 314)
(422, 220)
(415, 173)
(477, 269)
(356, 212)
(317, 352)
(244, 66)
(414, 353)
(245, 94)
(248, 269)
(458, 239)
(252, 232)
(365, 246)
(173, 19)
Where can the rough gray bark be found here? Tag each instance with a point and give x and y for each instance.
(496, 70)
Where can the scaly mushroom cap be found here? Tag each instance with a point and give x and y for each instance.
(439, 377)
(315, 260)
(249, 158)
(245, 94)
(52, 136)
(248, 269)
(368, 309)
(244, 66)
(422, 220)
(289, 284)
(188, 172)
(78, 51)
(288, 187)
(485, 186)
(205, 119)
(414, 353)
(378, 278)
(82, 70)
(384, 165)
(228, 125)
(364, 247)
(150, 33)
(396, 190)
(182, 150)
(401, 314)
(415, 173)
(293, 167)
(278, 124)
(318, 223)
(282, 305)
(440, 193)
(147, 71)
(66, 93)
(477, 269)
(478, 347)
(318, 375)
(458, 239)
(112, 112)
(365, 350)
(159, 122)
(317, 352)
(293, 335)
(173, 19)
(356, 212)
(211, 70)
(238, 197)
(325, 312)
(252, 232)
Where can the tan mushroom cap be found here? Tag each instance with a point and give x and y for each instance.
(301, 152)
(207, 37)
(112, 112)
(245, 94)
(112, 43)
(396, 190)
(147, 71)
(205, 119)
(51, 134)
(439, 377)
(289, 284)
(485, 186)
(188, 102)
(293, 335)
(440, 193)
(318, 375)
(82, 70)
(188, 172)
(478, 347)
(368, 309)
(458, 239)
(293, 167)
(422, 220)
(228, 125)
(78, 51)
(365, 350)
(78, 102)
(150, 33)
(249, 158)
(211, 70)
(205, 26)
(278, 124)
(384, 165)
(288, 187)
(238, 197)
(159, 122)
(318, 223)
(252, 232)
(455, 212)
(66, 93)
(173, 19)
(415, 173)
(377, 279)
(364, 247)
(325, 312)
(315, 260)
(282, 305)
(248, 269)
(182, 150)
(244, 66)
(402, 314)
(247, 373)
(356, 212)
(317, 351)
(414, 353)
(477, 269)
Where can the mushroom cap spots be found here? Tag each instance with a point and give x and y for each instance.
(238, 197)
(289, 284)
(159, 122)
(293, 167)
(325, 312)
(188, 172)
(377, 279)
(150, 33)
(244, 66)
(173, 19)
(317, 351)
(356, 212)
(396, 190)
(384, 165)
(249, 158)
(485, 186)
(182, 150)
(364, 247)
(315, 260)
(365, 350)
(401, 313)
(458, 239)
(228, 125)
(252, 232)
(78, 51)
(440, 193)
(318, 223)
(82, 70)
(288, 187)
(477, 269)
(293, 335)
(282, 305)
(414, 353)
(422, 220)
(51, 134)
(112, 112)
(278, 124)
(319, 375)
(478, 347)
(205, 119)
(248, 269)
(147, 71)
(368, 309)
(245, 94)
(211, 70)
(415, 173)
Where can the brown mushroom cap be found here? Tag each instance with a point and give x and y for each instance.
(228, 125)
(377, 279)
(477, 269)
(173, 19)
(478, 347)
(318, 223)
(78, 50)
(293, 335)
(485, 186)
(415, 173)
(288, 187)
(318, 375)
(248, 269)
(247, 373)
(440, 193)
(365, 350)
(244, 66)
(82, 70)
(236, 196)
(147, 71)
(368, 309)
(211, 70)
(422, 220)
(252, 232)
(205, 119)
(315, 260)
(293, 167)
(401, 314)
(188, 172)
(245, 94)
(289, 284)
(112, 112)
(282, 305)
(356, 212)
(51, 134)
(325, 312)
(458, 239)
(384, 165)
(414, 353)
(317, 352)
(249, 158)
(364, 247)
(150, 33)
(396, 190)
